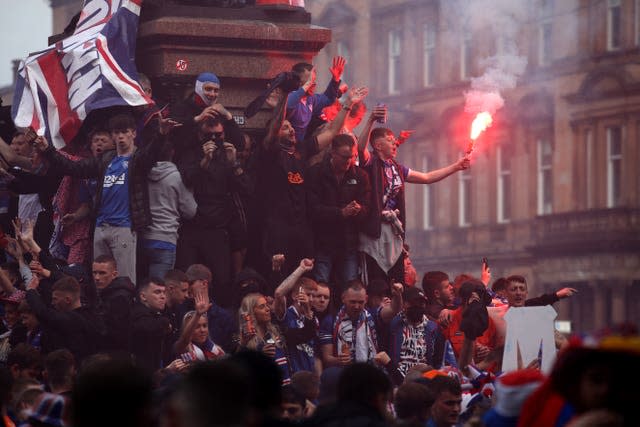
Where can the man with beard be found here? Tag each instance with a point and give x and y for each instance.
(414, 338)
(439, 292)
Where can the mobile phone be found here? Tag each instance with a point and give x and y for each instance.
(485, 262)
(381, 119)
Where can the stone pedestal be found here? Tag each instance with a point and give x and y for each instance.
(244, 47)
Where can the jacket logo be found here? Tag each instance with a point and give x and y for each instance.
(352, 181)
(295, 178)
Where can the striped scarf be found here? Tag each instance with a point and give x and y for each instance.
(359, 337)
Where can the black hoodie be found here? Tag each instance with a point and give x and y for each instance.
(115, 303)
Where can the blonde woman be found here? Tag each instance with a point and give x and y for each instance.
(257, 332)
(194, 342)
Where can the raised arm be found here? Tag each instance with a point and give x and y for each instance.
(287, 285)
(85, 168)
(329, 132)
(377, 112)
(202, 305)
(388, 312)
(333, 88)
(276, 123)
(416, 177)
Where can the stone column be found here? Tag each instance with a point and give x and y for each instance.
(618, 303)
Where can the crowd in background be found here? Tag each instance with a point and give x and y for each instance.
(173, 269)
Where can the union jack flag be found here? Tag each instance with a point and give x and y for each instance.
(93, 68)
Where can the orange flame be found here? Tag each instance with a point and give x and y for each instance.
(480, 124)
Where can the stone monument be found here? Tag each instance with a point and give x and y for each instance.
(244, 46)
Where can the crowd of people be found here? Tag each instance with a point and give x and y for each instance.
(172, 269)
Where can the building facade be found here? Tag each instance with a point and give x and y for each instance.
(553, 192)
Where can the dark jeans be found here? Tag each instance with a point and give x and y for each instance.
(198, 245)
(395, 275)
(153, 262)
(343, 265)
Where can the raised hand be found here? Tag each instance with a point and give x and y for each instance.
(167, 124)
(220, 110)
(306, 264)
(337, 68)
(379, 112)
(404, 135)
(14, 248)
(356, 95)
(31, 134)
(277, 261)
(485, 275)
(201, 301)
(17, 227)
(41, 143)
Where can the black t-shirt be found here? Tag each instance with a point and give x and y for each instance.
(281, 186)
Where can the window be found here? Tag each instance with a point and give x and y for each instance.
(465, 56)
(464, 198)
(545, 46)
(504, 183)
(545, 28)
(429, 55)
(428, 211)
(614, 165)
(394, 61)
(342, 49)
(590, 179)
(545, 176)
(614, 29)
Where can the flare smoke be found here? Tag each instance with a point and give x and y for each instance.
(502, 70)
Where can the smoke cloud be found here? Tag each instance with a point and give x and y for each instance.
(502, 70)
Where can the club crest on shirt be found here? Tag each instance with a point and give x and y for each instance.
(295, 178)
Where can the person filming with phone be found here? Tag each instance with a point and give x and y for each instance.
(213, 172)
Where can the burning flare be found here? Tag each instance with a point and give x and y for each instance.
(480, 124)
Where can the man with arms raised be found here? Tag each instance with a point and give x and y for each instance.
(122, 201)
(383, 231)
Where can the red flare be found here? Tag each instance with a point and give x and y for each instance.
(480, 124)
